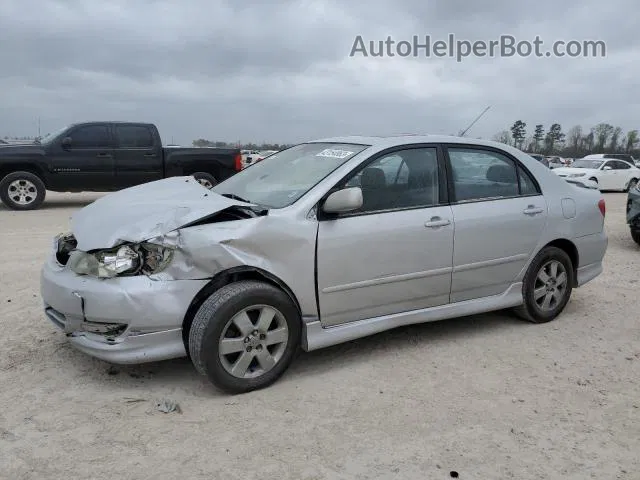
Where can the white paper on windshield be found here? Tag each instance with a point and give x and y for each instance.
(332, 153)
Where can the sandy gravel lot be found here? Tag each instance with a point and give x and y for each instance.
(489, 397)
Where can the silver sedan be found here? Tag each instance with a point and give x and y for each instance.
(328, 241)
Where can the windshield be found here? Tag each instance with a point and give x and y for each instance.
(51, 136)
(282, 178)
(595, 164)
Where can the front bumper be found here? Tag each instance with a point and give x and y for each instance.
(633, 209)
(124, 320)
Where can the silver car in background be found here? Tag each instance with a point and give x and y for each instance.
(326, 242)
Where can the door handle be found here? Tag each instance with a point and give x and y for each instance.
(436, 222)
(149, 154)
(103, 155)
(532, 210)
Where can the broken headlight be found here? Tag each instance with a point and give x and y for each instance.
(125, 260)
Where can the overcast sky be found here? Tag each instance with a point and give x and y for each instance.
(280, 70)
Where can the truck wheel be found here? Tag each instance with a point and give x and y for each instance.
(22, 191)
(244, 336)
(205, 179)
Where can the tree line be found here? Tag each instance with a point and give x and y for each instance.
(575, 143)
(201, 142)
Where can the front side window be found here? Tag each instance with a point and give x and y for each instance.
(91, 136)
(282, 178)
(619, 165)
(407, 178)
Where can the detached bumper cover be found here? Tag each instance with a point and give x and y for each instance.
(124, 320)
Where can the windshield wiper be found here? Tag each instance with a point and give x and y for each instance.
(233, 196)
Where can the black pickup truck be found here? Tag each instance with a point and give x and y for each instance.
(103, 157)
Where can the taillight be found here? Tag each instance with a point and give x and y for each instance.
(238, 162)
(602, 207)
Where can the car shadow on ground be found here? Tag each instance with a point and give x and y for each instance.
(396, 340)
(53, 205)
(179, 374)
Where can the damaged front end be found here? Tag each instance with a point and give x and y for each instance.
(120, 286)
(128, 259)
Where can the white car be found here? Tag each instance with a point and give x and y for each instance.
(608, 174)
(249, 157)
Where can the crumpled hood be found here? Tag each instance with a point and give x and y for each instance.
(145, 211)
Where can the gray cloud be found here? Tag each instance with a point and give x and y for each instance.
(280, 71)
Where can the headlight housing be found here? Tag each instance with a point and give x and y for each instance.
(124, 260)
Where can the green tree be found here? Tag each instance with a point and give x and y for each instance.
(631, 140)
(201, 142)
(538, 136)
(554, 137)
(574, 138)
(503, 137)
(616, 135)
(518, 133)
(602, 132)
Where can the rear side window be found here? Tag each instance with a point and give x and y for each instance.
(91, 136)
(134, 136)
(527, 185)
(482, 175)
(486, 175)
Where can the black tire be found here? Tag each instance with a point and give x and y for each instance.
(28, 199)
(635, 234)
(632, 183)
(205, 179)
(212, 321)
(530, 310)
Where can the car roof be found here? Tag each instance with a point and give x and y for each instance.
(406, 139)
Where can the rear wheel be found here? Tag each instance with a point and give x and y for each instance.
(22, 191)
(547, 286)
(632, 183)
(205, 179)
(244, 336)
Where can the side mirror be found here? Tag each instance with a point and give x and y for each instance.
(345, 200)
(606, 167)
(66, 142)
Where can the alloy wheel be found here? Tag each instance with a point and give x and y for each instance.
(253, 341)
(22, 192)
(550, 285)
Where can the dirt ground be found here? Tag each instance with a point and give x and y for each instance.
(488, 397)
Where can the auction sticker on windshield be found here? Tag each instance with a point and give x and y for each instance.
(331, 153)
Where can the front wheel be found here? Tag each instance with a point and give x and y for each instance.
(635, 234)
(205, 179)
(22, 191)
(244, 336)
(547, 286)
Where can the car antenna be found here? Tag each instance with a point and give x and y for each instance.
(461, 134)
